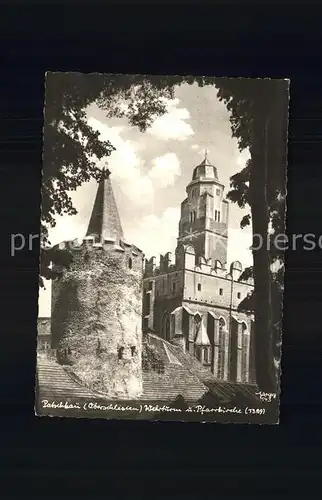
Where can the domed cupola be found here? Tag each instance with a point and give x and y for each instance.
(205, 171)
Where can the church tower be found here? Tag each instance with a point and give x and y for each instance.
(96, 304)
(204, 214)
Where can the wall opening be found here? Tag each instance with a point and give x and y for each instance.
(165, 326)
(245, 354)
(130, 263)
(120, 352)
(199, 287)
(221, 291)
(146, 304)
(133, 350)
(221, 349)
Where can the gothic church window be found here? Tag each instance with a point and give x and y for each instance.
(218, 216)
(146, 304)
(221, 349)
(244, 354)
(198, 354)
(165, 326)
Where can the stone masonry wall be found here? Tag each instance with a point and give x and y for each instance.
(96, 319)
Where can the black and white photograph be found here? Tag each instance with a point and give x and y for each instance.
(162, 248)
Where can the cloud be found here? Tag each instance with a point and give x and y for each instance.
(243, 157)
(165, 169)
(67, 228)
(195, 146)
(126, 165)
(239, 243)
(173, 124)
(155, 234)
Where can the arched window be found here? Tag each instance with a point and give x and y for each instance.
(221, 349)
(245, 354)
(165, 326)
(198, 353)
(198, 319)
(146, 303)
(130, 263)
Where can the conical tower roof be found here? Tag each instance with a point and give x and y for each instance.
(105, 221)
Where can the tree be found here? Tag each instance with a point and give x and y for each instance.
(72, 148)
(259, 120)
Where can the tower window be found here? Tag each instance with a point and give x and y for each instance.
(218, 216)
(192, 216)
(130, 263)
(238, 295)
(120, 352)
(221, 291)
(199, 287)
(218, 192)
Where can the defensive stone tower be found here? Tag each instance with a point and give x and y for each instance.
(97, 304)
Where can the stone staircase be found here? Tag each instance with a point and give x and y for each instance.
(55, 383)
(176, 381)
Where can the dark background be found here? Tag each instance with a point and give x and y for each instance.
(67, 458)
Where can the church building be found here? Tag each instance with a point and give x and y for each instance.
(192, 300)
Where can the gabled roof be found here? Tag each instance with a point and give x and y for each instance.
(202, 336)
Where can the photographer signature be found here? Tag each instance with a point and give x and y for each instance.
(266, 397)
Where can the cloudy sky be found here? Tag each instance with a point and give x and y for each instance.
(150, 172)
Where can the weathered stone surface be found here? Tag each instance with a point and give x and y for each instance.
(96, 319)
